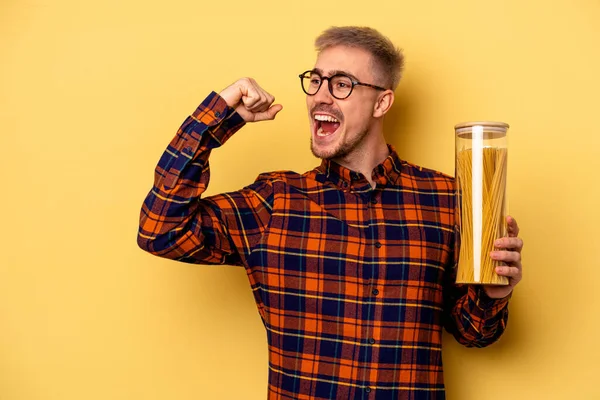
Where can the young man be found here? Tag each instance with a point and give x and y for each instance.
(352, 264)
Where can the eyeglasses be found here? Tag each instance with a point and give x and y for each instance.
(340, 85)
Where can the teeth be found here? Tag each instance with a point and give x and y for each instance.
(321, 133)
(325, 118)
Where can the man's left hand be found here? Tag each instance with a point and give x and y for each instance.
(509, 252)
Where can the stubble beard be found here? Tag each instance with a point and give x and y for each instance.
(342, 150)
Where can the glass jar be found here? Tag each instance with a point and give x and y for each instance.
(481, 203)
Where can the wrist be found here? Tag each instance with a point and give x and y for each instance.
(486, 298)
(231, 95)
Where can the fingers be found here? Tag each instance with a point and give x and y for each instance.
(513, 227)
(251, 101)
(509, 253)
(514, 243)
(270, 113)
(510, 272)
(510, 257)
(251, 94)
(255, 98)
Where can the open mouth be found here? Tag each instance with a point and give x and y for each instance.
(325, 125)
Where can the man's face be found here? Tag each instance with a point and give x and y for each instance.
(339, 127)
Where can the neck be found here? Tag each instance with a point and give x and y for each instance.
(364, 158)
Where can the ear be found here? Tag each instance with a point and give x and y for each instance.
(383, 104)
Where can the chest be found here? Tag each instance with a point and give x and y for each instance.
(319, 241)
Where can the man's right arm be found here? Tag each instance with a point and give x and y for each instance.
(175, 222)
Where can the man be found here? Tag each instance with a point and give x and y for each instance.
(352, 264)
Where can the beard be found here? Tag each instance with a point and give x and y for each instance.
(340, 150)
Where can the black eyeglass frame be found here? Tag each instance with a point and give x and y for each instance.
(302, 76)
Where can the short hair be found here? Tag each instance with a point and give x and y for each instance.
(388, 60)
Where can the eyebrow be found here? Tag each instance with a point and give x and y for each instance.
(336, 72)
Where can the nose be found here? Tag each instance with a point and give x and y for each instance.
(323, 96)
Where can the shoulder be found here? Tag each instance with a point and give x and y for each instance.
(289, 178)
(274, 176)
(421, 176)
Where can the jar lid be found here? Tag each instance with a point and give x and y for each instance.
(492, 124)
(493, 128)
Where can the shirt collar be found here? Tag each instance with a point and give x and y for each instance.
(385, 174)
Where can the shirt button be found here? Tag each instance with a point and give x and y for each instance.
(375, 292)
(368, 390)
(377, 244)
(217, 114)
(373, 201)
(372, 341)
(188, 150)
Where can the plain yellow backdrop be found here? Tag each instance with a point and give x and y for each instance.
(91, 92)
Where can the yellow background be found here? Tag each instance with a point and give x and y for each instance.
(92, 92)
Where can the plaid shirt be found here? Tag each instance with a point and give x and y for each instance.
(353, 284)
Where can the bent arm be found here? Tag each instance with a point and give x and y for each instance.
(175, 222)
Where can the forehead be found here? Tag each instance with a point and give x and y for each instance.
(354, 61)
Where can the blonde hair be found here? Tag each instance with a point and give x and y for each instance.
(388, 60)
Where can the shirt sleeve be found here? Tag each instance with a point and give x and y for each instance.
(474, 319)
(176, 222)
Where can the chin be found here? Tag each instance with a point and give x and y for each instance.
(327, 152)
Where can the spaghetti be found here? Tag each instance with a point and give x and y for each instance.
(481, 211)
